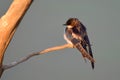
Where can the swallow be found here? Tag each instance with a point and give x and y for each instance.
(76, 35)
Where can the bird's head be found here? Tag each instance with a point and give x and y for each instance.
(72, 22)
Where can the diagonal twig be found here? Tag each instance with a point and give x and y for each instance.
(13, 64)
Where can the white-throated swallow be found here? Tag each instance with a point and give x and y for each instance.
(76, 34)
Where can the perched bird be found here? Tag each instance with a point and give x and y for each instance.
(76, 34)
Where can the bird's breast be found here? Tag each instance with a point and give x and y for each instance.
(68, 41)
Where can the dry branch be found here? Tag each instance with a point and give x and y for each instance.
(5, 67)
(36, 53)
(8, 25)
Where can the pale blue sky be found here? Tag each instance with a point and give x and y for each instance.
(42, 27)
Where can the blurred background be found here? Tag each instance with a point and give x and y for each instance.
(42, 28)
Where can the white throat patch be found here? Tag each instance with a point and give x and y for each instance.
(69, 26)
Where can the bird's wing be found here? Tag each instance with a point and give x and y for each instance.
(76, 41)
(86, 43)
(87, 47)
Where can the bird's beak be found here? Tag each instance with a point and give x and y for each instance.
(64, 24)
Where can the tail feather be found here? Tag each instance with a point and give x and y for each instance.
(92, 64)
(84, 53)
(91, 54)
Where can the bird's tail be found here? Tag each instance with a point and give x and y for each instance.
(92, 63)
(84, 53)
